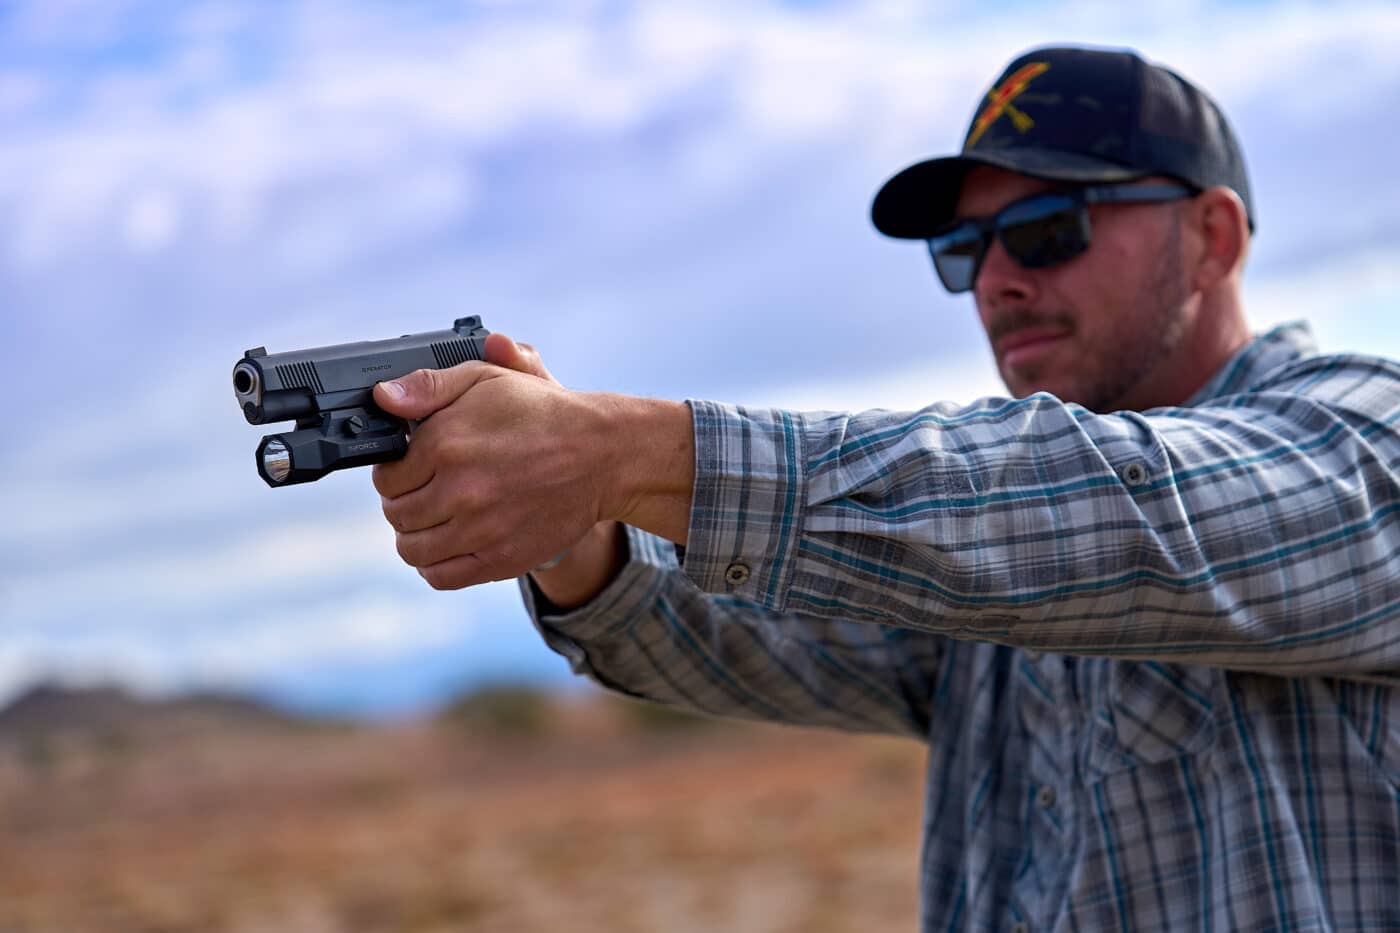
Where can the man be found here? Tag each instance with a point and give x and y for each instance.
(1146, 614)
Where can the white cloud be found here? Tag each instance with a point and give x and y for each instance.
(152, 221)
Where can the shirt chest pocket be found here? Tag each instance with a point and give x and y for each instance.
(1144, 713)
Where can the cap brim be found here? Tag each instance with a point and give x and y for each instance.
(921, 199)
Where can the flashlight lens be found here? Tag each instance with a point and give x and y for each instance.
(277, 461)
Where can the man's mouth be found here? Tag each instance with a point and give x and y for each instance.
(1028, 344)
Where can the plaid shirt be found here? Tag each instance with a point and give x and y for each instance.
(1155, 655)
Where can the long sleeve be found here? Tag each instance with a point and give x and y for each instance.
(1256, 529)
(652, 634)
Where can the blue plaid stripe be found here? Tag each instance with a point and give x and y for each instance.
(1169, 701)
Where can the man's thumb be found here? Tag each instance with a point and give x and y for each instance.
(424, 391)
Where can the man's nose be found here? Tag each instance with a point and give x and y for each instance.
(1002, 279)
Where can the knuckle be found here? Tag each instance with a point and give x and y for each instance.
(422, 384)
(471, 501)
(380, 476)
(438, 577)
(407, 513)
(454, 448)
(413, 382)
(432, 381)
(409, 549)
(507, 555)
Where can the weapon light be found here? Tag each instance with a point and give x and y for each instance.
(275, 461)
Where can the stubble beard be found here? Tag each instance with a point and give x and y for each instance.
(1132, 348)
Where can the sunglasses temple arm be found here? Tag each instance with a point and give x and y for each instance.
(1128, 194)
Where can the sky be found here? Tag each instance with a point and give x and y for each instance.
(666, 199)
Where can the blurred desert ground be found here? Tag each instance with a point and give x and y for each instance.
(508, 810)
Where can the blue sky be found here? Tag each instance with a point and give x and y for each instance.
(667, 199)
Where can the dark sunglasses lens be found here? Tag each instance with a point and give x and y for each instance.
(1044, 232)
(956, 255)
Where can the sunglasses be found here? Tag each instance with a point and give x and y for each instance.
(1039, 231)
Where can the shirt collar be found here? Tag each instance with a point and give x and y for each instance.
(1264, 354)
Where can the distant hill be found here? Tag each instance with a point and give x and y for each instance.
(49, 711)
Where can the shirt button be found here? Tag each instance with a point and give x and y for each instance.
(737, 574)
(1133, 474)
(1046, 797)
(1020, 926)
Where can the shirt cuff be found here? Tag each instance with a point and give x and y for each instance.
(617, 607)
(750, 501)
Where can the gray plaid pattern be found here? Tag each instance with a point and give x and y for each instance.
(1155, 655)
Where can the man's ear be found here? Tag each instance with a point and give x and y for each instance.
(1220, 221)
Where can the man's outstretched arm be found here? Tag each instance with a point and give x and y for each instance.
(1261, 534)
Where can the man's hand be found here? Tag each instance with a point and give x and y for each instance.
(510, 469)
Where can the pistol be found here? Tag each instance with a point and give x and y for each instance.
(328, 391)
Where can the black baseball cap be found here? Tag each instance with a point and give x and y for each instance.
(1077, 115)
